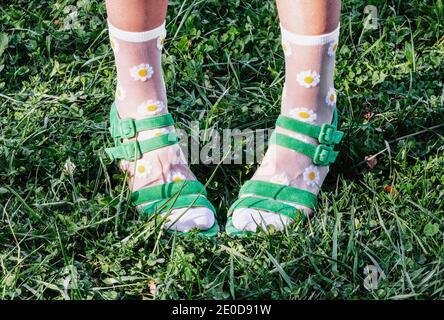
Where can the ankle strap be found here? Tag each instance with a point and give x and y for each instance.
(127, 128)
(137, 36)
(326, 134)
(322, 155)
(133, 150)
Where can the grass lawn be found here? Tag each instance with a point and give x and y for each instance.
(73, 236)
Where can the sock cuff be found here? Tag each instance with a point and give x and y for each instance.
(305, 40)
(143, 36)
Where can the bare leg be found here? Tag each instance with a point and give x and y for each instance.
(309, 17)
(308, 96)
(136, 15)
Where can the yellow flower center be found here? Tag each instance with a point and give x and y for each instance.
(151, 107)
(141, 169)
(309, 79)
(335, 46)
(332, 97)
(177, 179)
(304, 115)
(113, 44)
(157, 134)
(142, 72)
(312, 176)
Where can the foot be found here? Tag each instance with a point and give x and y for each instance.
(309, 97)
(162, 166)
(285, 167)
(140, 94)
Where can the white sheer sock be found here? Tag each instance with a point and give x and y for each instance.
(308, 96)
(140, 93)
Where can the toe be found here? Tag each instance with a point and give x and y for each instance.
(186, 219)
(249, 219)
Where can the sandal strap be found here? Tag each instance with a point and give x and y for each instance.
(133, 150)
(326, 134)
(127, 128)
(167, 190)
(266, 205)
(190, 193)
(322, 155)
(279, 192)
(178, 203)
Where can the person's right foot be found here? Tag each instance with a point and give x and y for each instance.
(140, 94)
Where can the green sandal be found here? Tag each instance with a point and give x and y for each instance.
(264, 195)
(164, 197)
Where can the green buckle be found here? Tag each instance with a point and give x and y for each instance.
(322, 155)
(131, 150)
(327, 134)
(338, 137)
(127, 128)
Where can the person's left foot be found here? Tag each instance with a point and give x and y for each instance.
(286, 167)
(308, 97)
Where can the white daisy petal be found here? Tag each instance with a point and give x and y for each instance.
(281, 179)
(148, 134)
(160, 42)
(124, 165)
(311, 176)
(142, 72)
(176, 176)
(303, 114)
(120, 92)
(308, 79)
(114, 44)
(332, 48)
(330, 99)
(286, 47)
(151, 108)
(143, 168)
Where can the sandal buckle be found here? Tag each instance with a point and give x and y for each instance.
(127, 128)
(132, 150)
(326, 136)
(322, 155)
